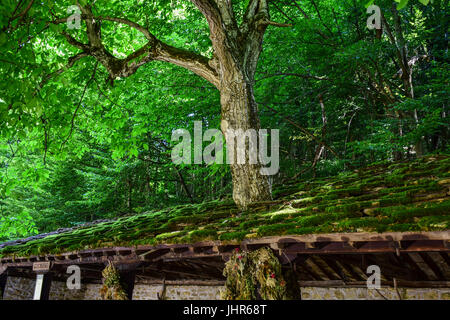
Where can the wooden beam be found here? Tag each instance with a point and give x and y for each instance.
(417, 258)
(355, 237)
(42, 287)
(355, 270)
(128, 278)
(432, 265)
(325, 268)
(306, 244)
(338, 269)
(309, 263)
(309, 272)
(363, 284)
(414, 268)
(3, 280)
(441, 264)
(153, 254)
(445, 257)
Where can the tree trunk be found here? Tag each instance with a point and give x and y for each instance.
(407, 69)
(240, 111)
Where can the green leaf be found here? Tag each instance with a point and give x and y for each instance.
(424, 2)
(3, 38)
(368, 4)
(402, 4)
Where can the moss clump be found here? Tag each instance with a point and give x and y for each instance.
(198, 235)
(112, 288)
(368, 223)
(433, 222)
(276, 229)
(401, 213)
(256, 275)
(236, 235)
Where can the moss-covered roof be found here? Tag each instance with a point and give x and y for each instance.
(403, 196)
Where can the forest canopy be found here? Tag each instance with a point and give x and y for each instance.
(87, 111)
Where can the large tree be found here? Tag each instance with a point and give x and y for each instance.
(236, 48)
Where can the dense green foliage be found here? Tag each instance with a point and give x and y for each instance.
(76, 148)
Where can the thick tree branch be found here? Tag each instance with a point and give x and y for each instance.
(153, 50)
(74, 42)
(276, 24)
(305, 15)
(224, 35)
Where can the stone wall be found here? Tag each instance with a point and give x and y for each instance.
(314, 293)
(19, 289)
(177, 292)
(23, 289)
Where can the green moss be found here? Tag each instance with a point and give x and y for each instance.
(251, 224)
(400, 198)
(169, 235)
(276, 229)
(240, 235)
(314, 219)
(379, 198)
(404, 227)
(308, 230)
(352, 207)
(434, 222)
(402, 213)
(355, 223)
(206, 234)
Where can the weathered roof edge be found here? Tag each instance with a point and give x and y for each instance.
(287, 247)
(57, 231)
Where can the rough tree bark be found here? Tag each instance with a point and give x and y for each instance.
(236, 53)
(231, 70)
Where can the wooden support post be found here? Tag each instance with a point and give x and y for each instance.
(43, 284)
(127, 279)
(3, 280)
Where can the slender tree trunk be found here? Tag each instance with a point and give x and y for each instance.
(407, 70)
(129, 199)
(183, 184)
